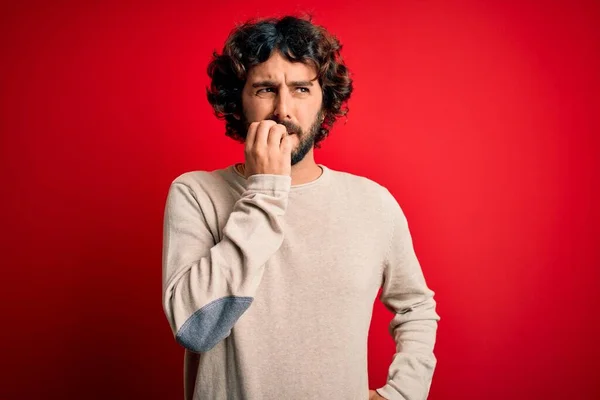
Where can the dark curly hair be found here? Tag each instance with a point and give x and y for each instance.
(298, 40)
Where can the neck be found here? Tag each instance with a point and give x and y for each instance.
(306, 170)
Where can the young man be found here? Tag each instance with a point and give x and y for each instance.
(271, 266)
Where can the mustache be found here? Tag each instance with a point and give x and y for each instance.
(289, 126)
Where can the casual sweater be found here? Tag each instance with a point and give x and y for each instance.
(273, 285)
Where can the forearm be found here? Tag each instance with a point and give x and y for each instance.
(208, 286)
(411, 372)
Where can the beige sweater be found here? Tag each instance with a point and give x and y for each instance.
(274, 286)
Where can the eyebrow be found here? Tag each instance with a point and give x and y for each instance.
(268, 83)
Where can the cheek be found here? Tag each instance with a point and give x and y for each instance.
(309, 115)
(254, 110)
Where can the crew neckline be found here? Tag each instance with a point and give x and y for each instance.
(321, 179)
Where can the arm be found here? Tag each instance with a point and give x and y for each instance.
(414, 324)
(207, 286)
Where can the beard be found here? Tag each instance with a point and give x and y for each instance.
(307, 139)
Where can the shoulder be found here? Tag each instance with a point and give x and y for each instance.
(354, 181)
(202, 180)
(201, 185)
(194, 178)
(365, 188)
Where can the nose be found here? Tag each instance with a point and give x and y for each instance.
(282, 106)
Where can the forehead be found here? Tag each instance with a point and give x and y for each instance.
(277, 68)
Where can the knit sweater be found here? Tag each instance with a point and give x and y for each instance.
(273, 285)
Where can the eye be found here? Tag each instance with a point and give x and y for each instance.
(303, 89)
(265, 90)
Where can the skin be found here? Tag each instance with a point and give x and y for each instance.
(289, 93)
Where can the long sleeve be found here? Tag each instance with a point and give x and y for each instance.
(414, 324)
(207, 285)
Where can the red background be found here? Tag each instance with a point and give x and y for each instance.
(480, 117)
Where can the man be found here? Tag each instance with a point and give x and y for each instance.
(271, 266)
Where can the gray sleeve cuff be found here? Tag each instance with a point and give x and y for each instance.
(267, 183)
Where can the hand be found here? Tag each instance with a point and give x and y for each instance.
(373, 395)
(268, 149)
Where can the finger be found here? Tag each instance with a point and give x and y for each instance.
(251, 135)
(286, 145)
(262, 133)
(276, 134)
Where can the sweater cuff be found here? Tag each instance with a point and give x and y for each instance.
(269, 183)
(389, 393)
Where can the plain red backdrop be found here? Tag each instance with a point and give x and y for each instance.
(481, 117)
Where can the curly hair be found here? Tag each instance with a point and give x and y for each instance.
(298, 40)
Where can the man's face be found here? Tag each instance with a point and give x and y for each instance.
(289, 94)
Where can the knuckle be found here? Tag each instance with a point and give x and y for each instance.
(278, 129)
